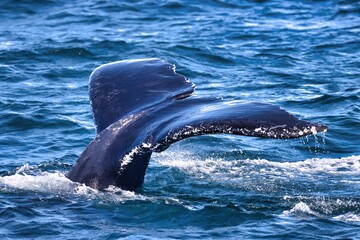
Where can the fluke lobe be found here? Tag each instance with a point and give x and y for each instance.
(143, 106)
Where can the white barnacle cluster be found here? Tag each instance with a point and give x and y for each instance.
(308, 130)
(146, 145)
(128, 158)
(229, 130)
(313, 130)
(187, 131)
(278, 131)
(259, 129)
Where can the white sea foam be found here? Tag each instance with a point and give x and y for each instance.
(323, 208)
(28, 179)
(58, 184)
(187, 162)
(346, 165)
(269, 176)
(348, 217)
(252, 174)
(266, 176)
(301, 209)
(6, 45)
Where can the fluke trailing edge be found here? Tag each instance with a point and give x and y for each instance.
(143, 106)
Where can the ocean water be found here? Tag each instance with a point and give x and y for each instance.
(302, 55)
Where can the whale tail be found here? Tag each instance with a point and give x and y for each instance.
(142, 106)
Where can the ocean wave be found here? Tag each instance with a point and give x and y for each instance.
(302, 210)
(337, 207)
(348, 217)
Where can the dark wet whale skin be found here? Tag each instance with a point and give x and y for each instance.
(142, 106)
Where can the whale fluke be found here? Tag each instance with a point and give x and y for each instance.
(121, 88)
(143, 106)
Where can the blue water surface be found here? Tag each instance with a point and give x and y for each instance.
(302, 55)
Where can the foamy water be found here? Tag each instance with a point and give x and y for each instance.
(30, 178)
(239, 173)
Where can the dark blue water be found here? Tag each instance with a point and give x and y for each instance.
(302, 55)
